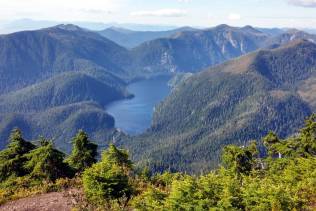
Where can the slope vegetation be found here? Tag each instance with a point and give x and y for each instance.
(232, 103)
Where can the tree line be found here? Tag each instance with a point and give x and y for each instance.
(278, 175)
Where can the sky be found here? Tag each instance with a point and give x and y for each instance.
(199, 13)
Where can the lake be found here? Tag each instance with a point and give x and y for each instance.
(134, 116)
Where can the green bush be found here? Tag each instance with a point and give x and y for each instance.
(46, 162)
(108, 179)
(83, 153)
(12, 158)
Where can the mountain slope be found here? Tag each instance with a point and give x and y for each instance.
(31, 56)
(289, 36)
(192, 51)
(61, 90)
(62, 120)
(61, 105)
(131, 39)
(234, 102)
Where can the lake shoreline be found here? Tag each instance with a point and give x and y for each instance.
(133, 115)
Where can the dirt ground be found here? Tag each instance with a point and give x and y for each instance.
(45, 202)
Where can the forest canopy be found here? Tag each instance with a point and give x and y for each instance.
(268, 174)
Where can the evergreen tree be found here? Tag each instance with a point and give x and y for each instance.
(46, 162)
(238, 159)
(117, 156)
(308, 137)
(108, 179)
(12, 158)
(183, 195)
(83, 153)
(271, 142)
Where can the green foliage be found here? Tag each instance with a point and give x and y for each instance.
(12, 158)
(83, 153)
(240, 160)
(45, 162)
(108, 179)
(284, 180)
(271, 141)
(246, 181)
(151, 199)
(59, 105)
(232, 103)
(117, 156)
(182, 195)
(308, 137)
(28, 170)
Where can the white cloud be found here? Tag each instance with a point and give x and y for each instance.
(184, 1)
(161, 13)
(303, 3)
(58, 9)
(234, 17)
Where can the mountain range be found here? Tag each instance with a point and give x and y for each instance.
(130, 39)
(232, 103)
(60, 79)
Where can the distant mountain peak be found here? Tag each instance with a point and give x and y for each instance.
(223, 26)
(293, 31)
(120, 29)
(68, 27)
(299, 43)
(251, 29)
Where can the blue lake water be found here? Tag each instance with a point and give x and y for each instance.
(134, 116)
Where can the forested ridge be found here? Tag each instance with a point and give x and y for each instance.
(279, 174)
(233, 103)
(71, 74)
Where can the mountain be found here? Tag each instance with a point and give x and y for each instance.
(289, 36)
(72, 73)
(130, 39)
(29, 57)
(271, 31)
(195, 50)
(61, 90)
(58, 80)
(238, 101)
(63, 104)
(62, 120)
(29, 24)
(191, 51)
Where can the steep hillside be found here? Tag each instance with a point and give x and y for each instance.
(49, 69)
(131, 39)
(61, 105)
(62, 120)
(191, 51)
(289, 36)
(31, 56)
(235, 102)
(271, 31)
(61, 90)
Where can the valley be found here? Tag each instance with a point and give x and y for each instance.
(226, 82)
(144, 105)
(134, 116)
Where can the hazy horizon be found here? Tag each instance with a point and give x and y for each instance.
(7, 27)
(165, 13)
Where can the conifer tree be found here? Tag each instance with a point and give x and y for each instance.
(46, 162)
(83, 153)
(308, 137)
(117, 156)
(271, 142)
(12, 158)
(238, 159)
(108, 179)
